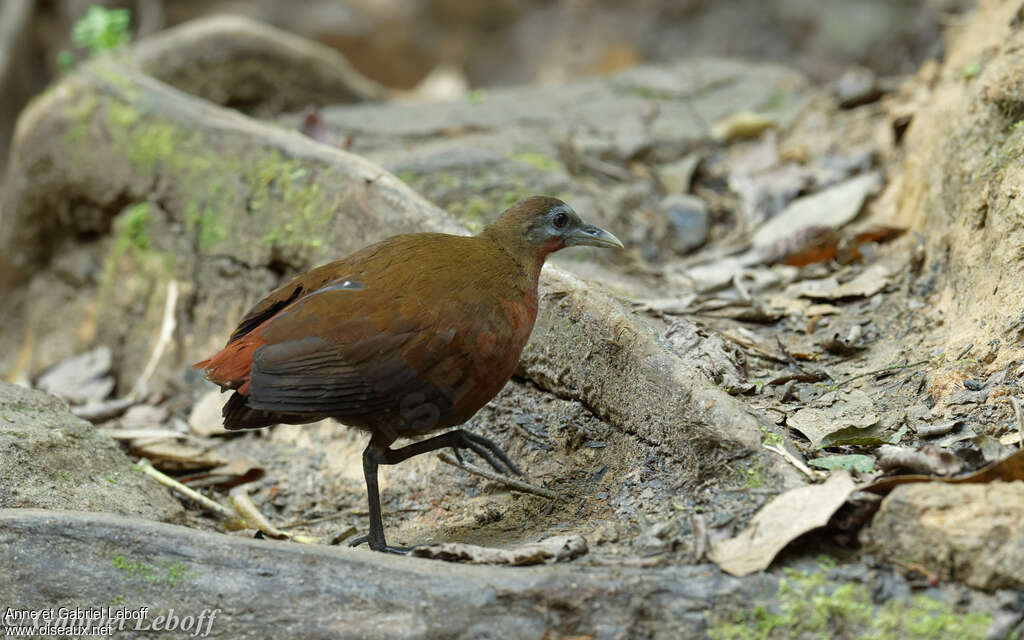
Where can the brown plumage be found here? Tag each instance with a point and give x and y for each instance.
(408, 336)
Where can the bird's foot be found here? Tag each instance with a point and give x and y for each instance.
(488, 450)
(379, 545)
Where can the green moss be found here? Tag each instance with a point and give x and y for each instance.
(80, 114)
(971, 70)
(121, 115)
(476, 96)
(752, 476)
(770, 438)
(809, 607)
(408, 177)
(135, 225)
(536, 159)
(161, 572)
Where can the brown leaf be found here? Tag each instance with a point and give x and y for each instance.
(1008, 470)
(781, 521)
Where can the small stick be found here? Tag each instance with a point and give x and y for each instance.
(532, 436)
(518, 485)
(701, 538)
(889, 369)
(810, 473)
(1020, 420)
(166, 331)
(145, 466)
(964, 352)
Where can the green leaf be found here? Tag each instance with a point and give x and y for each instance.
(102, 29)
(853, 462)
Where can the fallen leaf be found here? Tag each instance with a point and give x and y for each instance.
(553, 549)
(205, 419)
(781, 521)
(745, 124)
(836, 416)
(829, 208)
(852, 462)
(1009, 469)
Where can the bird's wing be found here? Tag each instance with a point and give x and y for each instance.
(345, 351)
(283, 296)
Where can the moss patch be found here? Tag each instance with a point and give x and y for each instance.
(810, 607)
(160, 572)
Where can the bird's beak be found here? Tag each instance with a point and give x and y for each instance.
(592, 236)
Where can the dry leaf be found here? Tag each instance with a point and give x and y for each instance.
(835, 413)
(1008, 470)
(781, 521)
(206, 419)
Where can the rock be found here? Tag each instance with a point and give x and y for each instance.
(51, 459)
(676, 176)
(356, 593)
(857, 86)
(688, 222)
(238, 62)
(968, 532)
(81, 379)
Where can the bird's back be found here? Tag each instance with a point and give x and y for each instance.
(410, 335)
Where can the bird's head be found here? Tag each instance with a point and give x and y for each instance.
(538, 226)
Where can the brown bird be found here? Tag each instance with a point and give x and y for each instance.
(406, 337)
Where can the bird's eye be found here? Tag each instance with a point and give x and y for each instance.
(560, 220)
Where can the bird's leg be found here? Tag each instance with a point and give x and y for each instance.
(378, 453)
(373, 455)
(457, 439)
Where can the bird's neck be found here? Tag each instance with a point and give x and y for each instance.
(526, 260)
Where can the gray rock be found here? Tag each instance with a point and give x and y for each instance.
(232, 60)
(53, 460)
(676, 176)
(968, 532)
(857, 86)
(81, 379)
(688, 222)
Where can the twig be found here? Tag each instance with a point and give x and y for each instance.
(533, 436)
(519, 485)
(889, 369)
(964, 352)
(810, 473)
(701, 539)
(166, 331)
(145, 466)
(1020, 420)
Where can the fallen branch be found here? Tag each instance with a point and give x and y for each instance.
(146, 467)
(793, 460)
(166, 331)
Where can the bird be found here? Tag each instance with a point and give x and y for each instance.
(404, 338)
